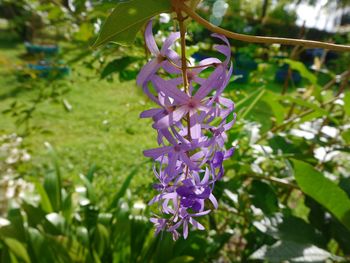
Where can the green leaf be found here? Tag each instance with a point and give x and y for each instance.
(53, 190)
(124, 187)
(346, 136)
(117, 65)
(264, 197)
(182, 259)
(44, 199)
(246, 101)
(324, 191)
(293, 252)
(307, 104)
(91, 172)
(76, 251)
(279, 143)
(344, 184)
(127, 19)
(89, 188)
(39, 251)
(101, 239)
(67, 207)
(304, 72)
(278, 110)
(251, 105)
(52, 183)
(17, 248)
(82, 235)
(86, 31)
(139, 230)
(16, 219)
(290, 228)
(127, 37)
(347, 103)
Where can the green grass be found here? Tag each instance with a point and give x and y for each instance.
(103, 127)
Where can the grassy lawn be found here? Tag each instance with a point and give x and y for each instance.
(103, 127)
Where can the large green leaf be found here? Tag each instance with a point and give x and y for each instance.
(324, 191)
(293, 252)
(127, 19)
(290, 228)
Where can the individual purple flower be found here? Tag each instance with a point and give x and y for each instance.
(160, 56)
(186, 218)
(191, 152)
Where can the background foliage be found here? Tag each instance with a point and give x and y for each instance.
(74, 184)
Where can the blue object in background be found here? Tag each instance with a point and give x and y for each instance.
(199, 56)
(245, 61)
(309, 55)
(282, 74)
(45, 70)
(41, 49)
(244, 75)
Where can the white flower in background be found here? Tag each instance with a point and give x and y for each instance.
(164, 18)
(12, 188)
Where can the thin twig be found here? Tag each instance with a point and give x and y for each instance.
(260, 39)
(272, 179)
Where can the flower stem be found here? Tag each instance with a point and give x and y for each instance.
(184, 72)
(260, 39)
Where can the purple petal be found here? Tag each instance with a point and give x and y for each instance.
(150, 113)
(209, 62)
(185, 229)
(172, 165)
(214, 201)
(150, 42)
(206, 177)
(196, 224)
(147, 71)
(168, 136)
(211, 83)
(229, 153)
(171, 118)
(188, 161)
(196, 131)
(169, 89)
(169, 42)
(205, 194)
(201, 213)
(157, 152)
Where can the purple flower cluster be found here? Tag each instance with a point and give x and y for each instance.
(191, 123)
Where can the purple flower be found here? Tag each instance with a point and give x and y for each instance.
(160, 56)
(191, 152)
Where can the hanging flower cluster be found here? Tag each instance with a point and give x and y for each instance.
(191, 120)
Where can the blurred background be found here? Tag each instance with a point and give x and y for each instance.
(74, 184)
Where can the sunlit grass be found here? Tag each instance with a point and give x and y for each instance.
(103, 128)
